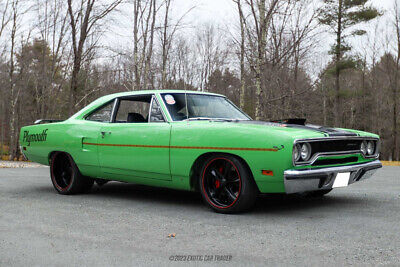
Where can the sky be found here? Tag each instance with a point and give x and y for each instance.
(220, 10)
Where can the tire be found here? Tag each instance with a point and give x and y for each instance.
(227, 185)
(66, 177)
(319, 193)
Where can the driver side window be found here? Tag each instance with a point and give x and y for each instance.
(133, 110)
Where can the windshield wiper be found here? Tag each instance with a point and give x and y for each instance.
(198, 119)
(209, 119)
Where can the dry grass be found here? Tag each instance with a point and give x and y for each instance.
(7, 158)
(5, 147)
(390, 163)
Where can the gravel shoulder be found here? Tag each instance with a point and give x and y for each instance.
(20, 164)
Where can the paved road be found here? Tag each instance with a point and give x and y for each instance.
(127, 225)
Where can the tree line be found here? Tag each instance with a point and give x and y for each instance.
(272, 60)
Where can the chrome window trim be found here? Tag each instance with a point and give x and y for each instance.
(318, 155)
(114, 110)
(153, 98)
(151, 105)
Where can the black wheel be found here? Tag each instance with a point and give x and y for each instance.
(227, 185)
(319, 193)
(66, 177)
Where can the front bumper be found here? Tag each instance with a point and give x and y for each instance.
(297, 181)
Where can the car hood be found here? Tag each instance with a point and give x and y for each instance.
(325, 131)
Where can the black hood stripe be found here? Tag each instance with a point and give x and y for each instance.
(332, 132)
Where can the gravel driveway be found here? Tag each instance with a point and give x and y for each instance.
(128, 225)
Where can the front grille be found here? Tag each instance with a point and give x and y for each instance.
(321, 162)
(335, 146)
(326, 147)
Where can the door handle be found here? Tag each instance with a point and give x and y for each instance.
(104, 133)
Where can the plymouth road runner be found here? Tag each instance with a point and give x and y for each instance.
(197, 141)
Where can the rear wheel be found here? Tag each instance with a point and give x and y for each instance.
(227, 185)
(66, 177)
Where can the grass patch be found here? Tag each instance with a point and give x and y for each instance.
(4, 152)
(390, 163)
(5, 148)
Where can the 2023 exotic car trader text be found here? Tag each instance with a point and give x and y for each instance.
(197, 141)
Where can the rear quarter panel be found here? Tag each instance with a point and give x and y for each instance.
(37, 141)
(67, 136)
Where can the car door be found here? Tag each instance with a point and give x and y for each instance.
(136, 142)
(87, 131)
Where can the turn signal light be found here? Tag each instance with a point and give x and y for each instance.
(267, 173)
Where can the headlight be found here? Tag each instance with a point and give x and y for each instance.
(296, 152)
(370, 148)
(305, 151)
(364, 147)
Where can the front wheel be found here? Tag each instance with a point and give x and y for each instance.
(66, 177)
(226, 184)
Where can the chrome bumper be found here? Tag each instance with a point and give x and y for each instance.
(297, 181)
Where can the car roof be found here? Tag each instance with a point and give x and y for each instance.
(167, 91)
(107, 98)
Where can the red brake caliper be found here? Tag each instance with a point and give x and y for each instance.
(217, 183)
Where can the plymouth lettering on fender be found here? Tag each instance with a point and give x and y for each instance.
(35, 137)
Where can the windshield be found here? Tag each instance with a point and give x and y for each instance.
(201, 107)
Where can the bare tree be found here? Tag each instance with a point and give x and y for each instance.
(242, 53)
(395, 89)
(168, 32)
(165, 43)
(5, 19)
(84, 17)
(14, 92)
(262, 21)
(52, 25)
(148, 78)
(5, 16)
(278, 36)
(144, 19)
(211, 53)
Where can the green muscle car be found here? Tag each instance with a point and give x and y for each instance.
(197, 141)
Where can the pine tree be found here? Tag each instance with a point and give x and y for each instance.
(343, 17)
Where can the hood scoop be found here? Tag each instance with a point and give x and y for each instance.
(295, 121)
